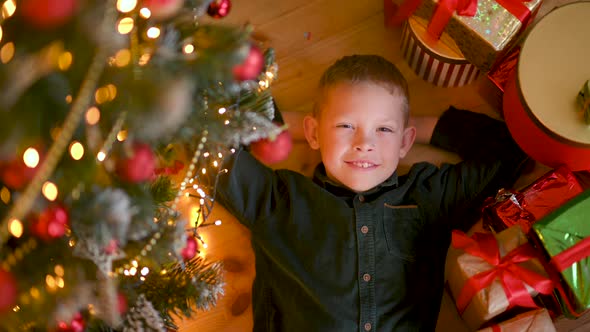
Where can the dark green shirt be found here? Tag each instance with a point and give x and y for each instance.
(329, 259)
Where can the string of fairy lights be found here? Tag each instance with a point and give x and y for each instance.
(61, 59)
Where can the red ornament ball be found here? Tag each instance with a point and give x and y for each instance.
(76, 325)
(139, 167)
(51, 223)
(121, 303)
(251, 67)
(112, 247)
(8, 289)
(190, 250)
(47, 13)
(163, 9)
(219, 8)
(270, 151)
(15, 174)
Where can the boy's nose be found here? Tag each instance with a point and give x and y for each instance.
(364, 142)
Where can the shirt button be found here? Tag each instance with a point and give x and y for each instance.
(368, 326)
(364, 229)
(361, 198)
(366, 277)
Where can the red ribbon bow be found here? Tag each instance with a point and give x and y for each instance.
(512, 276)
(445, 9)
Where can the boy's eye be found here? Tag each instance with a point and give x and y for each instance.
(385, 129)
(343, 125)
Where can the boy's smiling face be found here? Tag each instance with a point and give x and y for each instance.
(361, 134)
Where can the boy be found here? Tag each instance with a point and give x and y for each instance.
(359, 248)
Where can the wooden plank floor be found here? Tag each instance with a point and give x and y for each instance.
(308, 36)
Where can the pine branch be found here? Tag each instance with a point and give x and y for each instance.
(184, 289)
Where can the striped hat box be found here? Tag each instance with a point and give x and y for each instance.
(439, 62)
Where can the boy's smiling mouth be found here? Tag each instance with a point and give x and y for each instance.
(361, 164)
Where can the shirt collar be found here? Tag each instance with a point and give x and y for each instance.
(321, 178)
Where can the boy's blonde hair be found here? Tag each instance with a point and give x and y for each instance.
(364, 68)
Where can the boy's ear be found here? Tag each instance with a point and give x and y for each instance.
(310, 128)
(407, 141)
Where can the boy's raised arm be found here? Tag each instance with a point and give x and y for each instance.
(491, 160)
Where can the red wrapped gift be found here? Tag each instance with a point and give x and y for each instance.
(492, 88)
(534, 202)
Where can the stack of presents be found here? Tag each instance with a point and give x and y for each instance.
(528, 267)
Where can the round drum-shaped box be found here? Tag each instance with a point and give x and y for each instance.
(438, 61)
(540, 98)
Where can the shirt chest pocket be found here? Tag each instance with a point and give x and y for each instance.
(402, 225)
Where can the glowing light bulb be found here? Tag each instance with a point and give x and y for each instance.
(92, 115)
(188, 49)
(64, 61)
(145, 13)
(125, 25)
(101, 155)
(76, 150)
(31, 157)
(125, 6)
(49, 190)
(122, 135)
(59, 270)
(5, 195)
(153, 33)
(123, 57)
(16, 228)
(222, 110)
(50, 281)
(7, 52)
(8, 8)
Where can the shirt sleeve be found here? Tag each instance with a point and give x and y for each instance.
(491, 160)
(249, 190)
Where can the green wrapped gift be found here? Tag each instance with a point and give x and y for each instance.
(583, 100)
(565, 236)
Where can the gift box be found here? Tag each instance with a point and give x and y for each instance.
(438, 61)
(540, 97)
(525, 207)
(564, 236)
(531, 321)
(483, 30)
(490, 274)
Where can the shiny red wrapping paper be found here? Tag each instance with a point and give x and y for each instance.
(492, 87)
(501, 71)
(534, 202)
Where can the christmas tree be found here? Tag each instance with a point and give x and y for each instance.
(112, 113)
